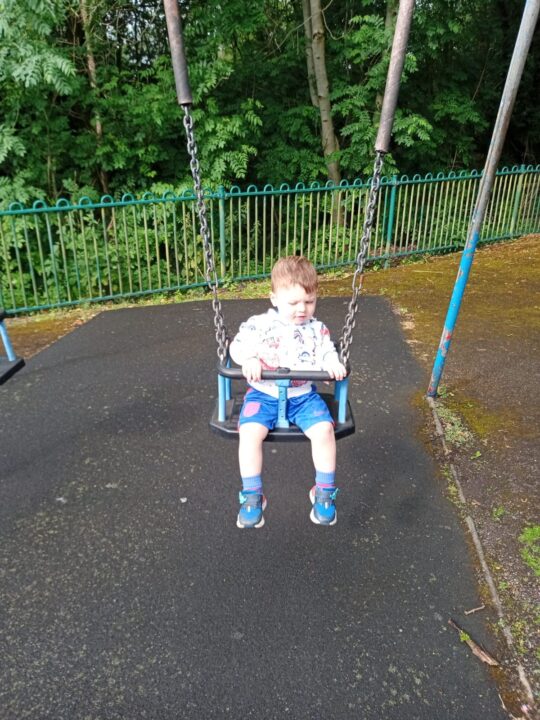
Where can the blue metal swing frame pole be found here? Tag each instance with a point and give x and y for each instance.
(515, 71)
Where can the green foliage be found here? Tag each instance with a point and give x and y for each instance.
(530, 551)
(10, 144)
(253, 115)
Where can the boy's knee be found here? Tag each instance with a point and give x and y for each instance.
(252, 431)
(322, 432)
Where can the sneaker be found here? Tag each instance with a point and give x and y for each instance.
(324, 509)
(252, 506)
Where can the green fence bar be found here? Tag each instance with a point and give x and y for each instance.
(70, 253)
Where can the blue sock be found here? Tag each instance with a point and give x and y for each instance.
(325, 480)
(252, 484)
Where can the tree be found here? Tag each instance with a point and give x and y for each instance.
(33, 74)
(319, 85)
(87, 12)
(89, 105)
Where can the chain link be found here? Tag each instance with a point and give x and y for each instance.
(358, 277)
(210, 269)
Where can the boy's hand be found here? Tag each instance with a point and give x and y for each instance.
(252, 369)
(335, 369)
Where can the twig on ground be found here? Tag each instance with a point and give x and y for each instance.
(469, 612)
(477, 650)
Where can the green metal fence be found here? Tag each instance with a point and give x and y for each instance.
(90, 252)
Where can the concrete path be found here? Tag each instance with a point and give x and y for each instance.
(128, 592)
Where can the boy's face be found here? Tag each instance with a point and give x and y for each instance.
(294, 304)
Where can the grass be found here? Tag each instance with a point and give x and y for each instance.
(455, 431)
(530, 551)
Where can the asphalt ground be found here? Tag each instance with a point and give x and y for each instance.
(127, 591)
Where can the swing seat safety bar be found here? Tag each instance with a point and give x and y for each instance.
(226, 414)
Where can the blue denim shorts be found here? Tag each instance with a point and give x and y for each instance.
(304, 410)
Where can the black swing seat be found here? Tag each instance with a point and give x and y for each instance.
(228, 427)
(11, 364)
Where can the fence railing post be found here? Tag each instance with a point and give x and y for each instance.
(221, 193)
(517, 201)
(390, 223)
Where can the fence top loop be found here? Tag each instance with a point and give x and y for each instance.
(284, 187)
(39, 205)
(128, 197)
(15, 206)
(300, 186)
(252, 188)
(235, 190)
(440, 176)
(314, 185)
(106, 199)
(63, 203)
(268, 188)
(148, 195)
(85, 200)
(169, 196)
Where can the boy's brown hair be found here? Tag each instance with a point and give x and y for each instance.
(294, 270)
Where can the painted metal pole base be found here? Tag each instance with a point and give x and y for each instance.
(9, 368)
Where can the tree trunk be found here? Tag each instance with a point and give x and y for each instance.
(328, 137)
(92, 76)
(306, 10)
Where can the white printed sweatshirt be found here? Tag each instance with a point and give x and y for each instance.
(280, 344)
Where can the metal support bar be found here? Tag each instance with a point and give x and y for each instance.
(521, 50)
(282, 421)
(178, 56)
(397, 60)
(7, 343)
(222, 230)
(340, 393)
(391, 216)
(222, 398)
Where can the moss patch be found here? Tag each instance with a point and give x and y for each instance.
(484, 422)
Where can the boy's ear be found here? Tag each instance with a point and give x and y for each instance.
(273, 299)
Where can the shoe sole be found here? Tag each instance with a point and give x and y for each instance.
(252, 527)
(312, 515)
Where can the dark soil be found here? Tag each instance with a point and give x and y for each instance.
(490, 406)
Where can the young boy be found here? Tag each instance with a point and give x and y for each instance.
(287, 336)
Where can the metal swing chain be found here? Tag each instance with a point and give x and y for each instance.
(358, 277)
(210, 268)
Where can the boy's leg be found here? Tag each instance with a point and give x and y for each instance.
(250, 451)
(323, 494)
(323, 447)
(250, 458)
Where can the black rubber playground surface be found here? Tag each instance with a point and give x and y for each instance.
(127, 590)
